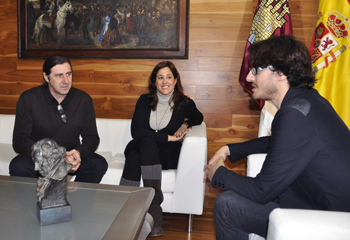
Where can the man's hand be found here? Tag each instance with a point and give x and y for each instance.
(215, 162)
(73, 157)
(210, 169)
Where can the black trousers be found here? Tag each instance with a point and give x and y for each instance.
(236, 216)
(144, 152)
(91, 170)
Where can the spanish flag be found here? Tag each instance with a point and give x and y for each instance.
(272, 18)
(331, 55)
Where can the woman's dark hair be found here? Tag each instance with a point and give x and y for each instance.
(52, 61)
(287, 55)
(178, 97)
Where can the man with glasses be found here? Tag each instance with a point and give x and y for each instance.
(307, 164)
(58, 111)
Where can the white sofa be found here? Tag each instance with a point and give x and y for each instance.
(183, 188)
(297, 224)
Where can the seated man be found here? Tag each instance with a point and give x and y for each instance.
(58, 111)
(308, 155)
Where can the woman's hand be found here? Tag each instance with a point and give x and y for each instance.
(182, 129)
(180, 136)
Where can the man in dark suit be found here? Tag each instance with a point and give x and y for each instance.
(308, 155)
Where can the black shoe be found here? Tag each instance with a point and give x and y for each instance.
(156, 232)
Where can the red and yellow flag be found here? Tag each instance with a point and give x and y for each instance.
(272, 17)
(331, 55)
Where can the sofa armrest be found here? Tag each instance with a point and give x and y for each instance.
(288, 224)
(254, 163)
(188, 196)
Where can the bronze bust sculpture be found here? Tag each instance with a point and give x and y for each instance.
(49, 160)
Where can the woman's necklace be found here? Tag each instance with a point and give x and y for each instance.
(157, 125)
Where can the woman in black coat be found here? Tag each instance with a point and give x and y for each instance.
(161, 119)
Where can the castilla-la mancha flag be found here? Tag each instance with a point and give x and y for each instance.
(272, 17)
(331, 55)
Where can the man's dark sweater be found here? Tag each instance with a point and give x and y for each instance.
(37, 117)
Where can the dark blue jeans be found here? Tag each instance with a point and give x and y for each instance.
(91, 170)
(236, 216)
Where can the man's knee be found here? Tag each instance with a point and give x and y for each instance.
(228, 201)
(221, 201)
(22, 166)
(100, 163)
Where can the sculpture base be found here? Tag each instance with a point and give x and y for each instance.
(54, 215)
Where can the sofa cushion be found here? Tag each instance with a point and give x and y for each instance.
(6, 155)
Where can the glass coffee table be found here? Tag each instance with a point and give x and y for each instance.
(98, 211)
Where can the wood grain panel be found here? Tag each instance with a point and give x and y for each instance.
(304, 21)
(211, 34)
(302, 7)
(214, 92)
(115, 108)
(246, 122)
(218, 49)
(223, 6)
(15, 88)
(7, 64)
(7, 45)
(220, 63)
(213, 120)
(210, 78)
(224, 107)
(8, 102)
(135, 77)
(21, 76)
(115, 90)
(304, 34)
(228, 134)
(221, 20)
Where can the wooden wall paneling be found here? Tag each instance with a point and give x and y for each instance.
(209, 77)
(133, 76)
(222, 6)
(109, 89)
(8, 104)
(217, 48)
(239, 20)
(20, 75)
(113, 107)
(15, 88)
(214, 92)
(214, 121)
(219, 34)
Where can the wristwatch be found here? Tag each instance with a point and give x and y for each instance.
(185, 123)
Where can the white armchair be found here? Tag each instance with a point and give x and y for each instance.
(183, 188)
(297, 224)
(292, 224)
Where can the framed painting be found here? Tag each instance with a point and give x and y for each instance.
(103, 28)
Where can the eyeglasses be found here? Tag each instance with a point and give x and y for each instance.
(256, 70)
(60, 110)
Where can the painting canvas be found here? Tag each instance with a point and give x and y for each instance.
(103, 28)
